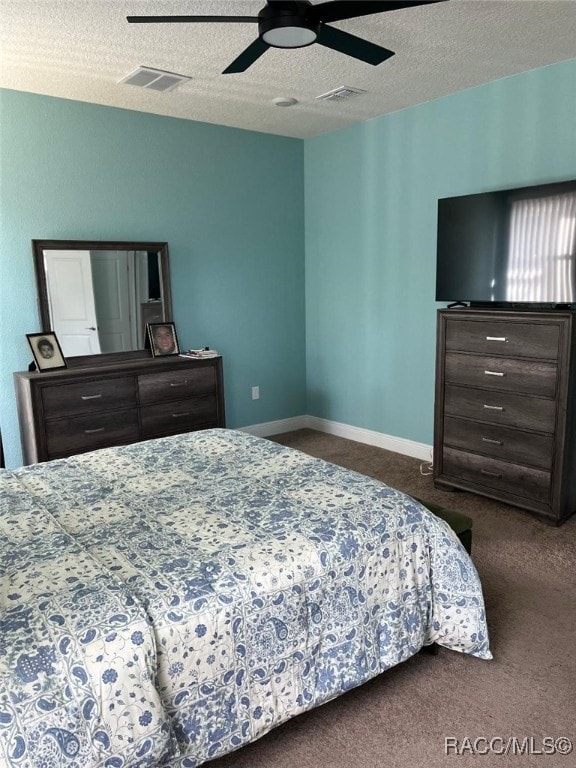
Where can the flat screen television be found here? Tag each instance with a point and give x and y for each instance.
(510, 247)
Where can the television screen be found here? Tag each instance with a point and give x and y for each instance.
(515, 246)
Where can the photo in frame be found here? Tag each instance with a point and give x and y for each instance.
(163, 339)
(46, 350)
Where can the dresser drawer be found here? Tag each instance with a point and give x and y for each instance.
(85, 433)
(64, 400)
(521, 411)
(525, 482)
(176, 385)
(509, 338)
(516, 375)
(499, 442)
(179, 416)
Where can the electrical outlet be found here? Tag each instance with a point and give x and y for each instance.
(255, 393)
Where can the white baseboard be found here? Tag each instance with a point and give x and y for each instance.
(420, 451)
(276, 427)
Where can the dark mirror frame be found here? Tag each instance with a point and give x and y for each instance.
(38, 248)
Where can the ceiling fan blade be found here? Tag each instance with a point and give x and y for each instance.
(186, 19)
(247, 57)
(352, 45)
(338, 10)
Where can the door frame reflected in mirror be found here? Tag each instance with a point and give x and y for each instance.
(39, 248)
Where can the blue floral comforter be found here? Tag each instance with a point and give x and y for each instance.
(167, 602)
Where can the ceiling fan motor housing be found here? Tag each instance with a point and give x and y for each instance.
(289, 27)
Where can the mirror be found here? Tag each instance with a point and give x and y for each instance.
(97, 297)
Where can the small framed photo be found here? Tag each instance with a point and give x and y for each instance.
(46, 350)
(163, 339)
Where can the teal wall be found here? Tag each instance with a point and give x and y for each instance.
(241, 211)
(228, 202)
(371, 193)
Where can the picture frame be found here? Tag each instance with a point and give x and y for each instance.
(163, 339)
(46, 350)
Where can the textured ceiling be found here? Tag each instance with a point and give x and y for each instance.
(80, 49)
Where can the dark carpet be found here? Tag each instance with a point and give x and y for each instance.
(522, 700)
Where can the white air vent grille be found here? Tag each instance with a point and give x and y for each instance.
(340, 94)
(154, 79)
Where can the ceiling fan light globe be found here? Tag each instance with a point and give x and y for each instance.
(289, 37)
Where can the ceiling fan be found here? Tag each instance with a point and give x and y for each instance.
(297, 23)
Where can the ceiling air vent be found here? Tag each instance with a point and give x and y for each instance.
(343, 93)
(154, 79)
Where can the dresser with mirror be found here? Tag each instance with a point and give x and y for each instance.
(97, 297)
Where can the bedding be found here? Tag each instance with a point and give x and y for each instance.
(167, 602)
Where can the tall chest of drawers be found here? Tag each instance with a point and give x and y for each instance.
(74, 410)
(504, 423)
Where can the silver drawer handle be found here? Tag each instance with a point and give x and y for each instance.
(497, 475)
(93, 431)
(494, 373)
(496, 338)
(180, 415)
(494, 442)
(494, 407)
(90, 397)
(178, 383)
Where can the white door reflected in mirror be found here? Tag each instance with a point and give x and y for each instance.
(72, 304)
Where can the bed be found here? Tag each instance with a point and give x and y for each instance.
(167, 602)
